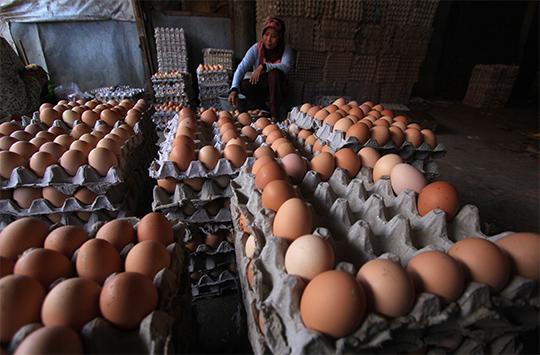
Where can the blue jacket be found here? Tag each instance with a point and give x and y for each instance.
(250, 62)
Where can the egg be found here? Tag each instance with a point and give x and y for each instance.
(48, 116)
(397, 136)
(148, 258)
(276, 193)
(127, 298)
(244, 118)
(262, 122)
(155, 226)
(51, 340)
(292, 220)
(6, 266)
(228, 135)
(235, 154)
(274, 135)
(22, 234)
(360, 131)
(109, 116)
(438, 195)
(85, 196)
(194, 183)
(285, 149)
(414, 137)
(391, 292)
(414, 125)
(263, 150)
(182, 155)
(64, 140)
(81, 146)
(89, 117)
(7, 128)
(24, 149)
(349, 161)
(368, 156)
(55, 131)
(401, 119)
(9, 161)
(118, 232)
(69, 117)
(523, 250)
(71, 303)
(79, 130)
(66, 239)
(333, 303)
(384, 165)
(208, 117)
(110, 144)
(380, 134)
(44, 265)
(21, 135)
(97, 259)
(55, 149)
(249, 132)
(260, 162)
(72, 160)
(295, 167)
(102, 160)
(54, 196)
(21, 298)
(404, 176)
(482, 261)
(402, 126)
(303, 134)
(332, 120)
(324, 164)
(308, 256)
(213, 240)
(310, 140)
(269, 172)
(250, 247)
(24, 196)
(6, 142)
(437, 273)
(168, 184)
(429, 137)
(305, 107)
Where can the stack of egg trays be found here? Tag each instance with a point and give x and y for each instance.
(155, 332)
(161, 118)
(214, 268)
(365, 220)
(219, 56)
(119, 92)
(177, 88)
(337, 140)
(86, 176)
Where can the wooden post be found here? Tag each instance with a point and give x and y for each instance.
(143, 44)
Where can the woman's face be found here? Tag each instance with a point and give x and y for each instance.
(270, 39)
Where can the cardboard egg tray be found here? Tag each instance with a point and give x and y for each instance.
(203, 259)
(365, 221)
(198, 216)
(337, 140)
(155, 332)
(183, 194)
(213, 284)
(161, 118)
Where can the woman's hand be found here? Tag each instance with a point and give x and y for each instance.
(233, 98)
(256, 75)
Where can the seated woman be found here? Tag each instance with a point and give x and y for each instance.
(270, 59)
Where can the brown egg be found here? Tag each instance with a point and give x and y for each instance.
(48, 135)
(262, 122)
(292, 220)
(263, 150)
(24, 196)
(400, 125)
(6, 142)
(22, 234)
(244, 118)
(343, 125)
(276, 193)
(97, 259)
(55, 149)
(72, 160)
(391, 292)
(349, 161)
(118, 232)
(285, 149)
(305, 107)
(24, 149)
(321, 114)
(437, 273)
(194, 183)
(110, 117)
(332, 119)
(110, 144)
(33, 129)
(51, 340)
(235, 154)
(148, 258)
(269, 172)
(303, 134)
(64, 140)
(381, 122)
(313, 110)
(368, 156)
(71, 303)
(208, 117)
(79, 109)
(127, 298)
(384, 165)
(414, 137)
(429, 137)
(367, 122)
(9, 161)
(397, 135)
(324, 164)
(381, 134)
(69, 117)
(249, 132)
(278, 142)
(318, 145)
(523, 250)
(79, 130)
(54, 196)
(132, 120)
(260, 162)
(66, 240)
(102, 160)
(21, 298)
(6, 266)
(85, 196)
(7, 128)
(81, 146)
(155, 226)
(438, 195)
(310, 140)
(185, 140)
(40, 161)
(182, 155)
(21, 135)
(168, 184)
(38, 141)
(48, 116)
(44, 265)
(274, 135)
(415, 126)
(101, 127)
(482, 261)
(333, 303)
(209, 156)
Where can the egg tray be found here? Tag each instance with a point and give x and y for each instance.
(364, 239)
(223, 255)
(214, 285)
(183, 194)
(337, 140)
(198, 216)
(155, 332)
(160, 118)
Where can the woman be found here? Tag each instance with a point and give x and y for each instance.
(20, 86)
(270, 60)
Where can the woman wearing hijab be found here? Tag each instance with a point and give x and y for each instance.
(270, 60)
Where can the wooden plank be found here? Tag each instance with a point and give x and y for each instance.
(143, 44)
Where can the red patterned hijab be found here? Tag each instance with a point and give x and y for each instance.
(274, 55)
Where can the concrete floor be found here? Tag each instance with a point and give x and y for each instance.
(493, 161)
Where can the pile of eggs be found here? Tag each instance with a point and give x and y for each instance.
(64, 278)
(204, 68)
(92, 139)
(363, 122)
(168, 106)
